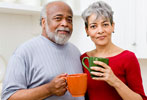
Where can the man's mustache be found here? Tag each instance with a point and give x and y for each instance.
(63, 29)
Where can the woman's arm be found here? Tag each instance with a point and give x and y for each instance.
(125, 92)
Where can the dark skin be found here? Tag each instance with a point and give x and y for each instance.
(57, 17)
(58, 85)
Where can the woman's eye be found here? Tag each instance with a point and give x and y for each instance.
(106, 24)
(93, 26)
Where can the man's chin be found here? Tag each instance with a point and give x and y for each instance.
(58, 38)
(62, 40)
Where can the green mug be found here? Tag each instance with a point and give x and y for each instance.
(91, 59)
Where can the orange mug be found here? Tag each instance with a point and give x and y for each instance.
(77, 84)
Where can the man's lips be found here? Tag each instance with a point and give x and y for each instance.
(63, 32)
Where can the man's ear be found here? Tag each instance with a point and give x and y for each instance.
(43, 23)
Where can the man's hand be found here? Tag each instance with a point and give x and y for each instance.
(58, 85)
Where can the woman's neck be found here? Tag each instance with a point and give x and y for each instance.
(105, 51)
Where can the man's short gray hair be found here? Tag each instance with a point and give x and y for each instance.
(43, 13)
(101, 9)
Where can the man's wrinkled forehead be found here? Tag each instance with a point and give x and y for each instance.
(58, 8)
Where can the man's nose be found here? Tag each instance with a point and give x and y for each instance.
(64, 22)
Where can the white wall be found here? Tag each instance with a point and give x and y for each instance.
(79, 36)
(15, 29)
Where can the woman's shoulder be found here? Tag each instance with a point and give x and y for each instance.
(125, 54)
(130, 54)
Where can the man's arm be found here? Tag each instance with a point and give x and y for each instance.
(56, 87)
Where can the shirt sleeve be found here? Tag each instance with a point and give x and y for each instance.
(133, 76)
(15, 78)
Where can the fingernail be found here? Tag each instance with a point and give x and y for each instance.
(65, 73)
(93, 61)
(91, 72)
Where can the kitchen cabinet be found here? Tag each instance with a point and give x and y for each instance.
(131, 28)
(141, 28)
(125, 24)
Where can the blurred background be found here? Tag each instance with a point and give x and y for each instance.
(19, 22)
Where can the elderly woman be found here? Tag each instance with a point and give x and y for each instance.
(121, 79)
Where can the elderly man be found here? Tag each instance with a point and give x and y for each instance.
(37, 69)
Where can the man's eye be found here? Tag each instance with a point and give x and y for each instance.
(69, 20)
(58, 18)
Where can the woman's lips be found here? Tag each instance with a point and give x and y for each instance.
(101, 37)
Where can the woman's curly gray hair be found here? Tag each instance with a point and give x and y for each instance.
(101, 9)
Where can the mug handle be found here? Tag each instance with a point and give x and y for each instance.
(84, 63)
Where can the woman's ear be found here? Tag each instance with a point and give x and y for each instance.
(113, 25)
(86, 29)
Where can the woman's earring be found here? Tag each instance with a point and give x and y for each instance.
(87, 35)
(113, 32)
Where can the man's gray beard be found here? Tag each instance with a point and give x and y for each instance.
(57, 38)
(61, 38)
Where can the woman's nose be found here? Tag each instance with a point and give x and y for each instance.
(100, 30)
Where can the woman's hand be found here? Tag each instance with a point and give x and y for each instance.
(105, 73)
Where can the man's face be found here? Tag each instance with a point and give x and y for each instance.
(59, 24)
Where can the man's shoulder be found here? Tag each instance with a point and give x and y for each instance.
(71, 45)
(28, 45)
(31, 42)
(73, 48)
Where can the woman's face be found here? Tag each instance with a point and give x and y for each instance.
(99, 29)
